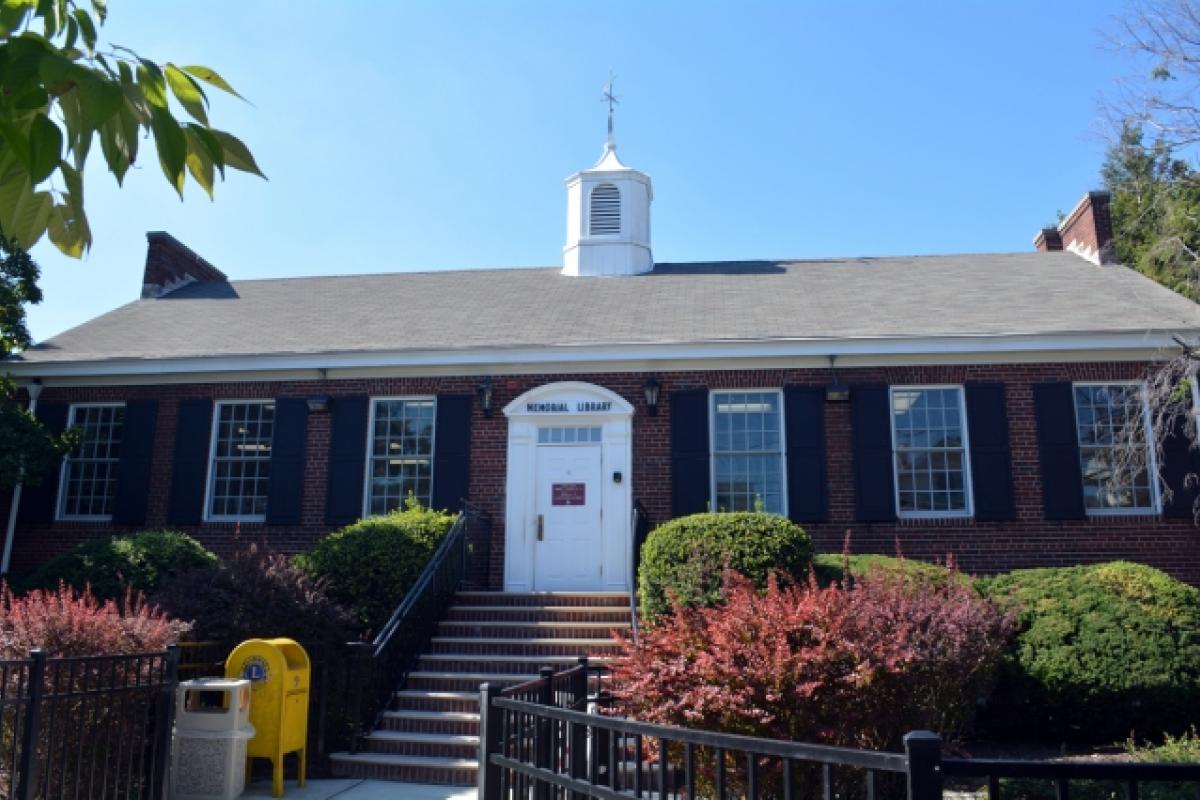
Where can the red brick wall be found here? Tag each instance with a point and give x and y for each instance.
(980, 547)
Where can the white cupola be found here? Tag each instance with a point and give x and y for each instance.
(608, 219)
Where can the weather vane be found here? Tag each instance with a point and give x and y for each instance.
(612, 100)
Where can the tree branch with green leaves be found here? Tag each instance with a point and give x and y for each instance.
(61, 89)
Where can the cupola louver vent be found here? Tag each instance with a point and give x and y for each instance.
(605, 218)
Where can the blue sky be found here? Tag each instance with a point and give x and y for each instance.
(404, 136)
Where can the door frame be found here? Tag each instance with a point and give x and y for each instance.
(571, 403)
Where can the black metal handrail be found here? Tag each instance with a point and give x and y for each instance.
(1062, 773)
(453, 546)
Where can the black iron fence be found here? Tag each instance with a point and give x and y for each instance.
(549, 739)
(86, 727)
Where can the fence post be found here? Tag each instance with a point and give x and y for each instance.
(543, 746)
(579, 696)
(924, 751)
(27, 784)
(490, 733)
(160, 780)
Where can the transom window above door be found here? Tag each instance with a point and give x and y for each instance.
(570, 435)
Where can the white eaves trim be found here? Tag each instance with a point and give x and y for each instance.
(639, 356)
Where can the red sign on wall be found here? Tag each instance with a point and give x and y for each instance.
(568, 494)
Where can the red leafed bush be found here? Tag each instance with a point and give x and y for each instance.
(855, 664)
(67, 622)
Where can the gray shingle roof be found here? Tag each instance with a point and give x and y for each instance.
(925, 296)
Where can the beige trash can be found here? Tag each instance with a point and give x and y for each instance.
(212, 728)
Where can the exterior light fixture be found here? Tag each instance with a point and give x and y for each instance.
(835, 391)
(317, 403)
(485, 391)
(651, 389)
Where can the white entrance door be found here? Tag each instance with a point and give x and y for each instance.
(568, 548)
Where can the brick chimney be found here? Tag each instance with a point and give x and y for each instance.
(1086, 231)
(170, 264)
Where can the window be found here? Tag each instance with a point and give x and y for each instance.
(241, 461)
(401, 462)
(929, 439)
(1112, 421)
(90, 473)
(605, 217)
(748, 452)
(584, 435)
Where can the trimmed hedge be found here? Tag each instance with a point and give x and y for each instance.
(141, 561)
(1102, 651)
(830, 567)
(371, 564)
(686, 558)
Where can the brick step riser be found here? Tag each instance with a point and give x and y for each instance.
(434, 704)
(427, 749)
(466, 776)
(616, 617)
(451, 726)
(535, 600)
(418, 683)
(465, 630)
(484, 647)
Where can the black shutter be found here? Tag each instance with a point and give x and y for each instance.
(39, 502)
(1179, 461)
(289, 440)
(347, 459)
(689, 452)
(452, 451)
(1058, 449)
(991, 458)
(189, 472)
(874, 481)
(137, 453)
(804, 419)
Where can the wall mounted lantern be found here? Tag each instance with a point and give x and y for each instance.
(651, 390)
(485, 391)
(318, 403)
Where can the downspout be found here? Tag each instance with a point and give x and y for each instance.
(34, 389)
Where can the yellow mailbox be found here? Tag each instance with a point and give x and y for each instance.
(279, 675)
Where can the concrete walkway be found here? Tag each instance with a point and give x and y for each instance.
(356, 789)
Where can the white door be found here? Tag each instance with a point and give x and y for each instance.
(568, 547)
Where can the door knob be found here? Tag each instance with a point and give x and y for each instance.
(541, 527)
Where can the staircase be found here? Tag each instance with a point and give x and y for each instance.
(431, 732)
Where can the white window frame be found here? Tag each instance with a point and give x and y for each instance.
(370, 449)
(64, 470)
(968, 484)
(1155, 506)
(212, 463)
(712, 444)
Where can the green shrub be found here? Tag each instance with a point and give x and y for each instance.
(686, 557)
(371, 564)
(140, 561)
(1102, 651)
(830, 567)
(1181, 749)
(257, 594)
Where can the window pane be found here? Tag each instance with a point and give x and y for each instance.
(1114, 454)
(748, 456)
(927, 428)
(401, 454)
(91, 471)
(242, 460)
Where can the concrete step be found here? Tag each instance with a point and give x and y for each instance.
(616, 616)
(497, 629)
(406, 743)
(450, 681)
(574, 599)
(502, 663)
(434, 701)
(454, 722)
(408, 769)
(470, 645)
